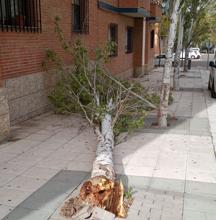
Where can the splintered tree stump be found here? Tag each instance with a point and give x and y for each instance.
(98, 191)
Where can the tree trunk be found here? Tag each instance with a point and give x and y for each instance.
(178, 53)
(103, 164)
(101, 189)
(187, 46)
(186, 59)
(165, 91)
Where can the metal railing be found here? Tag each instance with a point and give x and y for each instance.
(157, 2)
(20, 15)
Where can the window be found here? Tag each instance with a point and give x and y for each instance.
(152, 39)
(20, 15)
(113, 37)
(129, 40)
(80, 16)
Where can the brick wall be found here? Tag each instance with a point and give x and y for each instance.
(22, 53)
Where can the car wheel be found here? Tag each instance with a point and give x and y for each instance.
(213, 93)
(192, 57)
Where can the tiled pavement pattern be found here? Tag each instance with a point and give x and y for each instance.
(173, 171)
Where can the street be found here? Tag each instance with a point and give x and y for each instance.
(202, 62)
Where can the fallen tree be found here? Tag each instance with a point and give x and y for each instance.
(109, 105)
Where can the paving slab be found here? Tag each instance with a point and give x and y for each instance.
(172, 171)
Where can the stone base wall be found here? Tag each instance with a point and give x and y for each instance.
(143, 69)
(28, 95)
(126, 74)
(4, 115)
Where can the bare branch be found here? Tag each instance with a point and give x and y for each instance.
(133, 93)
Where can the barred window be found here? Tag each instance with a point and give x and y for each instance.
(20, 15)
(80, 16)
(113, 37)
(129, 40)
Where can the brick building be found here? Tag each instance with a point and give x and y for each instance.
(27, 30)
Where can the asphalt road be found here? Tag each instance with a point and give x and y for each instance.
(202, 62)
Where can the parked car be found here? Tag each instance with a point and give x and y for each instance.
(191, 55)
(197, 51)
(212, 79)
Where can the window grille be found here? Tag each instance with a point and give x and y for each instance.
(113, 37)
(80, 16)
(152, 39)
(20, 15)
(129, 40)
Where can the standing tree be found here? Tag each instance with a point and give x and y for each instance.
(194, 13)
(109, 105)
(165, 90)
(178, 52)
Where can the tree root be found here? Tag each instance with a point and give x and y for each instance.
(97, 191)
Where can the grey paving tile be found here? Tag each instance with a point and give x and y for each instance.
(200, 188)
(40, 172)
(25, 183)
(12, 197)
(199, 124)
(167, 185)
(43, 200)
(74, 177)
(5, 210)
(135, 181)
(194, 215)
(210, 216)
(50, 195)
(27, 214)
(198, 202)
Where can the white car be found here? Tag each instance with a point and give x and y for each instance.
(195, 48)
(197, 51)
(191, 55)
(212, 79)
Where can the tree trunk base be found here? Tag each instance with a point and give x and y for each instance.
(98, 191)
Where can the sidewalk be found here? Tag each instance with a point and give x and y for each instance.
(172, 171)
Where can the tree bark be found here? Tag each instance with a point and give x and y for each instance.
(103, 164)
(177, 60)
(165, 90)
(101, 189)
(187, 47)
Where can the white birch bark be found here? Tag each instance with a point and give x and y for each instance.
(103, 164)
(178, 53)
(187, 46)
(165, 91)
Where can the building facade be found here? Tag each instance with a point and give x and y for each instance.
(27, 30)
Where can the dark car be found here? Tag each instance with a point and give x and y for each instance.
(212, 79)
